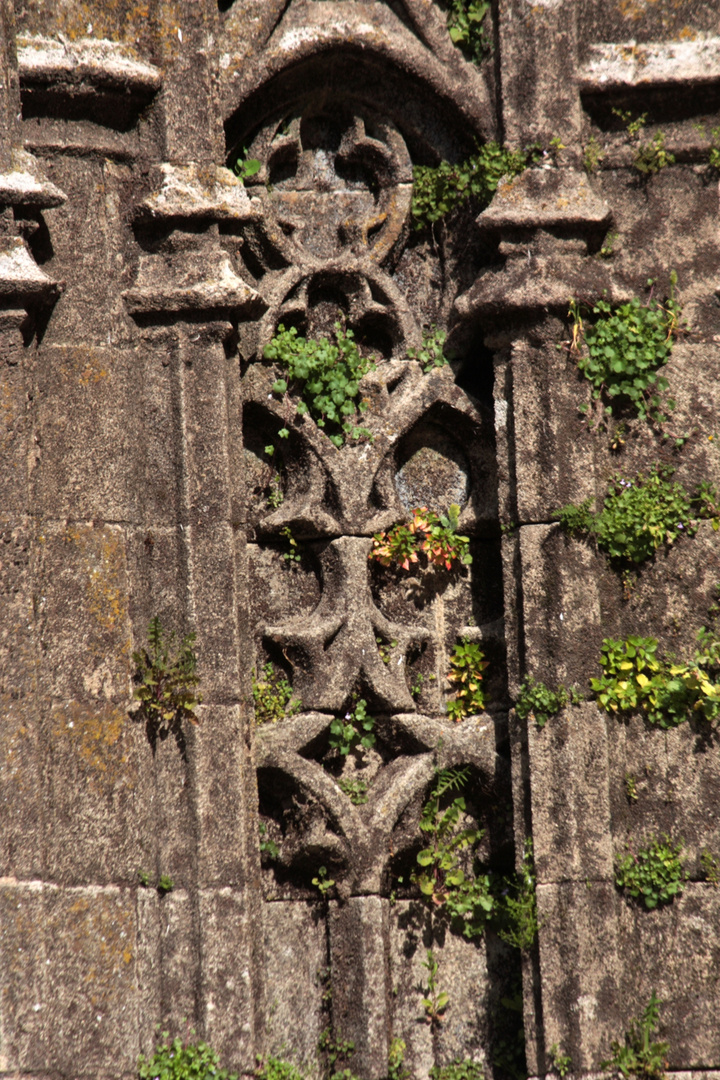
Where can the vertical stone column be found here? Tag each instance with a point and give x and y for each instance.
(186, 298)
(538, 58)
(546, 221)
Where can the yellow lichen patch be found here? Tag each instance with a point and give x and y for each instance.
(103, 555)
(101, 930)
(86, 366)
(99, 737)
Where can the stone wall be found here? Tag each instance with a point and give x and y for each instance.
(144, 475)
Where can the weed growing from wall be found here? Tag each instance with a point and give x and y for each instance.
(467, 664)
(518, 913)
(272, 1068)
(652, 875)
(561, 1063)
(539, 703)
(268, 847)
(178, 1060)
(710, 866)
(466, 898)
(428, 539)
(432, 353)
(325, 376)
(437, 1000)
(621, 351)
(396, 1061)
(650, 157)
(635, 679)
(638, 1055)
(353, 730)
(466, 26)
(273, 696)
(168, 680)
(355, 789)
(640, 515)
(458, 1070)
(440, 189)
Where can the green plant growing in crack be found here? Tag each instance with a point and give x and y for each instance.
(652, 157)
(178, 1060)
(168, 680)
(396, 1061)
(432, 353)
(667, 692)
(593, 154)
(460, 1069)
(294, 552)
(518, 918)
(638, 1055)
(652, 875)
(710, 866)
(273, 696)
(622, 350)
(466, 23)
(640, 515)
(273, 1068)
(322, 882)
(337, 1051)
(437, 1000)
(428, 539)
(561, 1063)
(325, 375)
(353, 730)
(440, 189)
(268, 847)
(538, 702)
(244, 167)
(355, 788)
(467, 664)
(443, 883)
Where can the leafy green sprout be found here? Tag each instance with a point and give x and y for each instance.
(432, 353)
(593, 154)
(178, 1060)
(165, 884)
(466, 26)
(438, 190)
(638, 1056)
(443, 883)
(437, 1000)
(168, 679)
(710, 866)
(519, 919)
(621, 351)
(325, 376)
(538, 702)
(273, 696)
(652, 875)
(356, 789)
(396, 1061)
(268, 847)
(428, 537)
(467, 664)
(460, 1069)
(246, 167)
(666, 691)
(640, 514)
(293, 555)
(323, 883)
(561, 1063)
(354, 730)
(272, 1068)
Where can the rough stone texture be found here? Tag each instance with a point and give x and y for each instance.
(139, 282)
